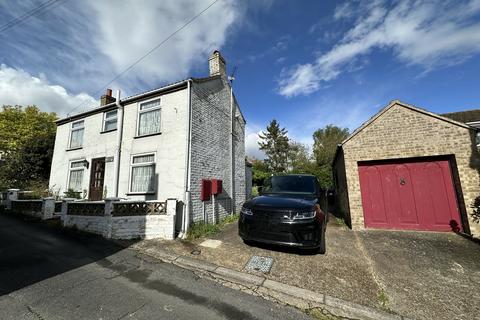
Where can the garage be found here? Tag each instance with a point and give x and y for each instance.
(409, 169)
(415, 195)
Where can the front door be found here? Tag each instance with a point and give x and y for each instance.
(96, 179)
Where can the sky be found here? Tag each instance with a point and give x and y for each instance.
(304, 63)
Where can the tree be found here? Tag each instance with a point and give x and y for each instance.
(27, 138)
(274, 142)
(325, 143)
(260, 172)
(299, 159)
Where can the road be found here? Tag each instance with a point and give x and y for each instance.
(49, 273)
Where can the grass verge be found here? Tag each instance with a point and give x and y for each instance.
(201, 229)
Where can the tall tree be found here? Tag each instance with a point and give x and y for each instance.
(298, 157)
(27, 138)
(325, 143)
(274, 142)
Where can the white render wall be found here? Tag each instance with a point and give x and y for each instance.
(169, 148)
(145, 227)
(95, 145)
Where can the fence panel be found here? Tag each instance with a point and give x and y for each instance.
(86, 208)
(27, 206)
(140, 208)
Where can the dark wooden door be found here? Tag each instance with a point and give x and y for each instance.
(416, 195)
(97, 176)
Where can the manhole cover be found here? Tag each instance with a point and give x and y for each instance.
(262, 264)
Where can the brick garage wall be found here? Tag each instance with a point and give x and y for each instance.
(401, 132)
(210, 151)
(341, 195)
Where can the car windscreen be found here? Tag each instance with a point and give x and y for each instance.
(290, 184)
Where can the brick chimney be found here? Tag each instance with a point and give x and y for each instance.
(107, 98)
(217, 64)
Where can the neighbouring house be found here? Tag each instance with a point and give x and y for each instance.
(407, 168)
(158, 145)
(470, 117)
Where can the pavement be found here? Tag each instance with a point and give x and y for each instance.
(419, 275)
(50, 273)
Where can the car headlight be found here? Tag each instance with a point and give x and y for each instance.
(305, 215)
(246, 211)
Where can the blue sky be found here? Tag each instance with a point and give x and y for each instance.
(304, 63)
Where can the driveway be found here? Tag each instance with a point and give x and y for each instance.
(47, 273)
(415, 274)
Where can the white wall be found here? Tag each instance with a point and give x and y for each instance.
(95, 145)
(169, 148)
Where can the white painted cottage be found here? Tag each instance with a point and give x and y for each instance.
(158, 145)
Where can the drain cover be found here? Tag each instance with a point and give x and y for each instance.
(258, 263)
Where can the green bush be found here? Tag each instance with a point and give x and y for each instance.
(201, 229)
(70, 193)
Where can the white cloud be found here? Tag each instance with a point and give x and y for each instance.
(127, 30)
(83, 45)
(343, 10)
(251, 142)
(18, 87)
(421, 33)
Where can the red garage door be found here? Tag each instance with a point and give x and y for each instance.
(409, 195)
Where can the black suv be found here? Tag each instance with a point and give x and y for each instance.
(287, 212)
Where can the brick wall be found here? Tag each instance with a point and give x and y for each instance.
(402, 132)
(210, 151)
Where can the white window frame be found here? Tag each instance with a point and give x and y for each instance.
(140, 111)
(70, 169)
(143, 164)
(105, 119)
(72, 129)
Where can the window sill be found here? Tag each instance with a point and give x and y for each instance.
(139, 193)
(107, 131)
(72, 149)
(147, 135)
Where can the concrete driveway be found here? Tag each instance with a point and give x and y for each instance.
(415, 274)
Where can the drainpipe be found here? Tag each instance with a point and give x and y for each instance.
(232, 147)
(188, 159)
(119, 142)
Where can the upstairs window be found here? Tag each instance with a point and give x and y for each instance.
(76, 134)
(75, 177)
(143, 174)
(149, 118)
(110, 120)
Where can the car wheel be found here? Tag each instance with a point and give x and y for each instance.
(248, 242)
(322, 247)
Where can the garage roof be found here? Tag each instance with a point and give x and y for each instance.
(408, 106)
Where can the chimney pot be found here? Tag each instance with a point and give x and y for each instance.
(107, 98)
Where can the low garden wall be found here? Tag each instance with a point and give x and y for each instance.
(15, 201)
(122, 219)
